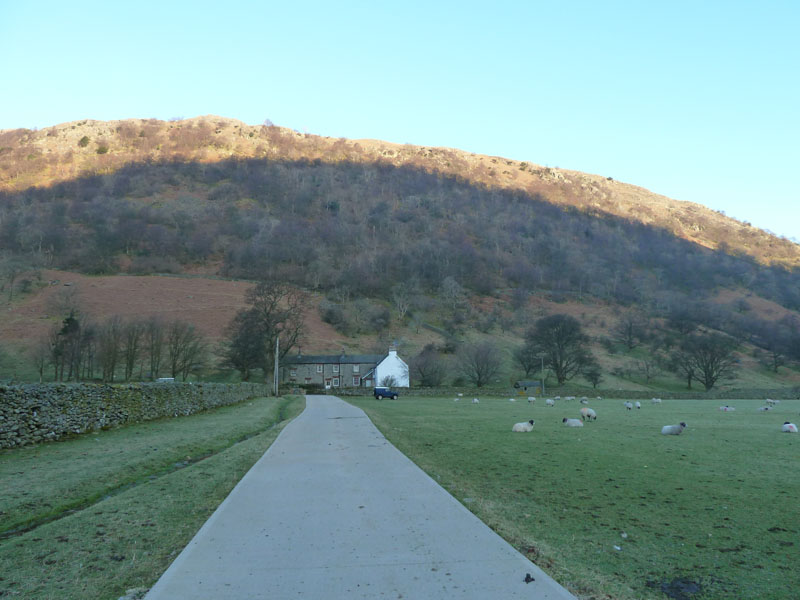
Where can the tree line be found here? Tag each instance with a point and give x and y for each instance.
(117, 349)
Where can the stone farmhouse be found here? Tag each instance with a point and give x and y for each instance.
(345, 370)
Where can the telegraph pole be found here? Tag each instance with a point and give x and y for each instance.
(542, 357)
(275, 374)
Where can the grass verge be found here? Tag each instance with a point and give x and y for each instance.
(614, 509)
(128, 537)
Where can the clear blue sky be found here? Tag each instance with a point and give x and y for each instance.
(696, 100)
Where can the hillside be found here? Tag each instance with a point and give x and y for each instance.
(70, 150)
(391, 243)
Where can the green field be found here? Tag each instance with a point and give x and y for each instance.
(110, 511)
(615, 509)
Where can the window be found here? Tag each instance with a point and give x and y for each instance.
(293, 373)
(335, 382)
(356, 381)
(319, 368)
(356, 368)
(335, 368)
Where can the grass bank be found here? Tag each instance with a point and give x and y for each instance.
(614, 509)
(139, 494)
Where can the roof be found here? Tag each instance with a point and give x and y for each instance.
(333, 359)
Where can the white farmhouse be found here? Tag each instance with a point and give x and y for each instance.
(345, 370)
(391, 367)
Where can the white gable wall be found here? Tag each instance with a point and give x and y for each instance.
(395, 366)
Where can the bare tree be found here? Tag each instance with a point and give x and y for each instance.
(681, 362)
(194, 357)
(401, 297)
(279, 312)
(712, 356)
(40, 353)
(183, 341)
(563, 344)
(452, 292)
(630, 329)
(528, 357)
(154, 344)
(429, 367)
(11, 267)
(109, 345)
(133, 332)
(649, 367)
(243, 348)
(479, 363)
(388, 381)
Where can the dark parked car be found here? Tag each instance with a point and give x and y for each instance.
(384, 392)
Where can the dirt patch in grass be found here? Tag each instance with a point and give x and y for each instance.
(678, 588)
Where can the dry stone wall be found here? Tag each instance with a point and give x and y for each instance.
(35, 413)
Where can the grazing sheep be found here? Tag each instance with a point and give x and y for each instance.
(475, 401)
(550, 402)
(460, 395)
(789, 427)
(637, 404)
(588, 414)
(656, 401)
(673, 429)
(557, 398)
(772, 402)
(531, 399)
(764, 408)
(523, 427)
(455, 399)
(584, 400)
(599, 398)
(726, 408)
(572, 422)
(628, 405)
(570, 398)
(511, 400)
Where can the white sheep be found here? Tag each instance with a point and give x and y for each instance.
(656, 401)
(726, 408)
(584, 400)
(673, 429)
(771, 402)
(475, 401)
(628, 405)
(512, 400)
(587, 414)
(455, 399)
(572, 422)
(524, 427)
(557, 398)
(531, 399)
(764, 408)
(460, 395)
(789, 427)
(637, 404)
(550, 402)
(599, 398)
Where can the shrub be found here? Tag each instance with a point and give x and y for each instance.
(84, 141)
(102, 149)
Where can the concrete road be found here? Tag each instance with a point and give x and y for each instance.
(333, 511)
